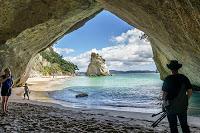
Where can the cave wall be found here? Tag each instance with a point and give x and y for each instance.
(29, 26)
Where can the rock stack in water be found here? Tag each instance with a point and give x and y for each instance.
(97, 66)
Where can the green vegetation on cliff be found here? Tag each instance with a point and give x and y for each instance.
(58, 64)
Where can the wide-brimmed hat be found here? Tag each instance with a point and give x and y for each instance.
(174, 65)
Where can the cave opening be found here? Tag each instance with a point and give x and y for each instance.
(119, 43)
(123, 50)
(128, 56)
(29, 27)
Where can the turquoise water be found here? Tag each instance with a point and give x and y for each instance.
(194, 104)
(137, 92)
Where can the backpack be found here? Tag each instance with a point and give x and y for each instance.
(8, 83)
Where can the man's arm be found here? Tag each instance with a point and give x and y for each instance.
(164, 95)
(189, 93)
(189, 88)
(164, 90)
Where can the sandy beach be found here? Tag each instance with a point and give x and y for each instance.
(43, 114)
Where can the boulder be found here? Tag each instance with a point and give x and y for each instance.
(81, 95)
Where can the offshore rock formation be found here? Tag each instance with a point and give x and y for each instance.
(30, 26)
(97, 66)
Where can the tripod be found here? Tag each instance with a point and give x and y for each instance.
(163, 115)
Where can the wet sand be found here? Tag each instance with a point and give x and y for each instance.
(42, 114)
(26, 117)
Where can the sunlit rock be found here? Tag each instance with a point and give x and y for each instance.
(97, 66)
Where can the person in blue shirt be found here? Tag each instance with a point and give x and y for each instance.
(6, 87)
(177, 90)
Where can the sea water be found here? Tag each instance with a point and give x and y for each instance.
(135, 92)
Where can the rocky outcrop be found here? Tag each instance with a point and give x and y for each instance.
(38, 65)
(29, 26)
(49, 63)
(97, 66)
(34, 68)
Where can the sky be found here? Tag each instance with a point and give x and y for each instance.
(115, 40)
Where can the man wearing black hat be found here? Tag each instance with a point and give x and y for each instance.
(177, 89)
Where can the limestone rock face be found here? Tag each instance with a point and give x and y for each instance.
(39, 63)
(97, 66)
(30, 26)
(33, 68)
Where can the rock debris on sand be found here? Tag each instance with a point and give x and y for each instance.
(30, 118)
(34, 118)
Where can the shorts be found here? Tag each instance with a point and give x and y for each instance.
(5, 92)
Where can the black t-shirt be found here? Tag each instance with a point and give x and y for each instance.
(176, 87)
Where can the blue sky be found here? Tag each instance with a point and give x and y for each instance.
(96, 33)
(111, 37)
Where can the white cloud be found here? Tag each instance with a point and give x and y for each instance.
(63, 51)
(129, 53)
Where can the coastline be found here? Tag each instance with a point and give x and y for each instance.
(132, 121)
(39, 88)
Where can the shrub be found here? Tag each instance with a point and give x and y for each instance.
(58, 63)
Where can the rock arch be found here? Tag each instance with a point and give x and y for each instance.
(29, 26)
